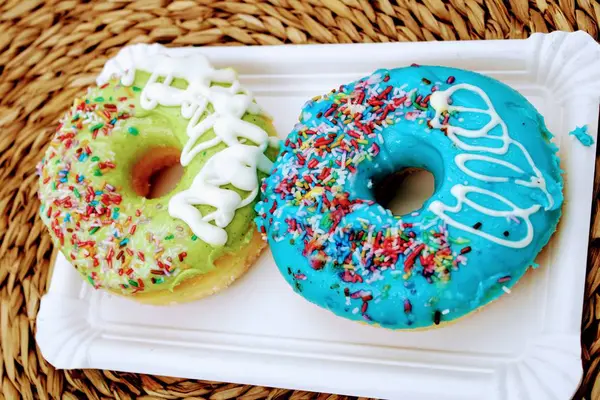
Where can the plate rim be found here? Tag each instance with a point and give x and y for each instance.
(66, 335)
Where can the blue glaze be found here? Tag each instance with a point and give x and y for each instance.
(402, 290)
(582, 135)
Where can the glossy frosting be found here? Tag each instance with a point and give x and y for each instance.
(497, 199)
(127, 243)
(581, 134)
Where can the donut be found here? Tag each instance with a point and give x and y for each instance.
(152, 111)
(496, 203)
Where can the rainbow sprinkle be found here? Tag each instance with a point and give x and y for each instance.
(319, 157)
(85, 212)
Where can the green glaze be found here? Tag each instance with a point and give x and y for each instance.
(160, 252)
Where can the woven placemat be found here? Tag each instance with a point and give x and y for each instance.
(50, 50)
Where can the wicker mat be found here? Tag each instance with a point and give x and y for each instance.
(50, 50)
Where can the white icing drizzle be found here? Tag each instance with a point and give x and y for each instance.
(461, 160)
(237, 164)
(439, 102)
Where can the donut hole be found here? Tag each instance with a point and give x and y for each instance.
(405, 191)
(156, 172)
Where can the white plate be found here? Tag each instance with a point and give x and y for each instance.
(525, 346)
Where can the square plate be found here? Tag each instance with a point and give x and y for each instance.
(525, 346)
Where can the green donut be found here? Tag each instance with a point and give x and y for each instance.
(116, 238)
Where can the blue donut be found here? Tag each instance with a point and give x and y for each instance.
(497, 199)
